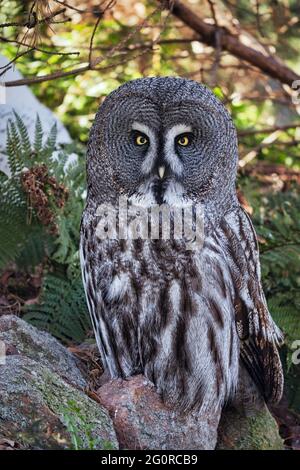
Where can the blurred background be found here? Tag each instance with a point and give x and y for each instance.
(70, 55)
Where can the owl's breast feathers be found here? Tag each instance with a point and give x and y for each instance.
(183, 318)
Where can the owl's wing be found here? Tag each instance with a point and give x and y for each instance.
(259, 335)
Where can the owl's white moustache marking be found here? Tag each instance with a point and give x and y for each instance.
(173, 195)
(144, 196)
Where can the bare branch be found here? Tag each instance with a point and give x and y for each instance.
(257, 14)
(216, 64)
(77, 71)
(67, 5)
(213, 11)
(33, 20)
(269, 130)
(132, 47)
(8, 25)
(35, 48)
(15, 58)
(45, 78)
(78, 10)
(270, 140)
(92, 40)
(269, 65)
(129, 36)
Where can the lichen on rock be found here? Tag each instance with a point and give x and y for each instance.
(240, 432)
(39, 408)
(23, 339)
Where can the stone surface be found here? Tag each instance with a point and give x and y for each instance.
(42, 399)
(142, 421)
(256, 432)
(39, 410)
(20, 338)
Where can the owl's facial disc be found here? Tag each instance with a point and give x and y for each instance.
(162, 151)
(166, 132)
(158, 144)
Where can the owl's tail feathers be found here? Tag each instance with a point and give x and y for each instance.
(262, 361)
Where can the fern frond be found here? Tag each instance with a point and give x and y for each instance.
(13, 148)
(62, 310)
(35, 248)
(25, 140)
(38, 135)
(286, 314)
(49, 147)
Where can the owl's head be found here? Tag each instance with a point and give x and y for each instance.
(162, 138)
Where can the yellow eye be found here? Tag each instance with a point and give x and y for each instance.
(141, 139)
(183, 140)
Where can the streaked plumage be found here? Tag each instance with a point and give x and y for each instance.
(184, 318)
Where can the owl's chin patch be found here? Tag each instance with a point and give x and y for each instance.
(158, 192)
(159, 188)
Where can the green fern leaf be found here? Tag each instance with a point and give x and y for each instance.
(49, 146)
(62, 310)
(38, 135)
(25, 140)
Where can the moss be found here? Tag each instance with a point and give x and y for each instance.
(41, 411)
(239, 432)
(78, 412)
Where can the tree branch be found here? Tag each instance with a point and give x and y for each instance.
(268, 130)
(232, 44)
(46, 78)
(35, 48)
(33, 21)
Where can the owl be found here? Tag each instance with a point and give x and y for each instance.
(188, 319)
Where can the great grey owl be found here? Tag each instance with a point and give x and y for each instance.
(185, 318)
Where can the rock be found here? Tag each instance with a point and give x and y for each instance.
(42, 401)
(240, 432)
(41, 411)
(142, 421)
(21, 338)
(247, 423)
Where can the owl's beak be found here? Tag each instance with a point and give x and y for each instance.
(161, 171)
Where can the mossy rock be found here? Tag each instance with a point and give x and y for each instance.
(23, 339)
(240, 432)
(39, 410)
